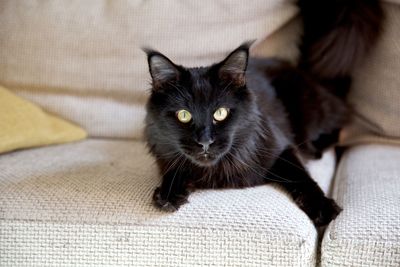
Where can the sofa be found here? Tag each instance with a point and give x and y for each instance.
(88, 203)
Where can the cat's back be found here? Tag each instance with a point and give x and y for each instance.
(273, 112)
(256, 78)
(258, 81)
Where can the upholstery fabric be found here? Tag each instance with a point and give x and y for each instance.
(375, 95)
(367, 232)
(82, 60)
(24, 125)
(89, 203)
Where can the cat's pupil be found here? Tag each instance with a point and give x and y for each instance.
(221, 114)
(184, 116)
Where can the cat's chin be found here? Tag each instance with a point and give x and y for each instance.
(205, 160)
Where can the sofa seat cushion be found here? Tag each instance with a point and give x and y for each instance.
(367, 232)
(89, 203)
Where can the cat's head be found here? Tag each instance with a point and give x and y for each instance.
(199, 113)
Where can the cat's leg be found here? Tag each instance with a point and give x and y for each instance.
(173, 191)
(309, 150)
(303, 189)
(325, 141)
(314, 149)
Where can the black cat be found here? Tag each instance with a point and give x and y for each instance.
(223, 127)
(226, 126)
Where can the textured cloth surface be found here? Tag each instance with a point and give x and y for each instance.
(83, 59)
(89, 203)
(23, 124)
(375, 95)
(367, 232)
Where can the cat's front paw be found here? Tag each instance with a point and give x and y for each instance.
(329, 210)
(322, 212)
(171, 203)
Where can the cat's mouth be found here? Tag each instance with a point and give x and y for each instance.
(204, 159)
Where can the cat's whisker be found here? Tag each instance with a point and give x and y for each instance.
(171, 165)
(170, 154)
(173, 178)
(229, 169)
(226, 87)
(279, 157)
(264, 169)
(237, 168)
(296, 145)
(167, 157)
(178, 90)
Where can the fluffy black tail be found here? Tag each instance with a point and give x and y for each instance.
(338, 34)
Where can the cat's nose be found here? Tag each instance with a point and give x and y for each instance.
(205, 144)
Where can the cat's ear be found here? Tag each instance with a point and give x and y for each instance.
(162, 69)
(233, 67)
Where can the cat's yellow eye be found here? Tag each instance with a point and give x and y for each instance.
(183, 116)
(221, 114)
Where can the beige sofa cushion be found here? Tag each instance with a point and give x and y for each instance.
(367, 232)
(89, 204)
(375, 95)
(82, 59)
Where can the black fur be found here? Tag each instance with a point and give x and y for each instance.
(315, 113)
(253, 146)
(338, 35)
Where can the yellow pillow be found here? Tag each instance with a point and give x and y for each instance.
(23, 125)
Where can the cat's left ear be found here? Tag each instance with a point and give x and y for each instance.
(233, 67)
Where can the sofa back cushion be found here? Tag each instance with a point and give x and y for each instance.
(82, 60)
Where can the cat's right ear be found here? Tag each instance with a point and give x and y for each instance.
(233, 68)
(162, 69)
